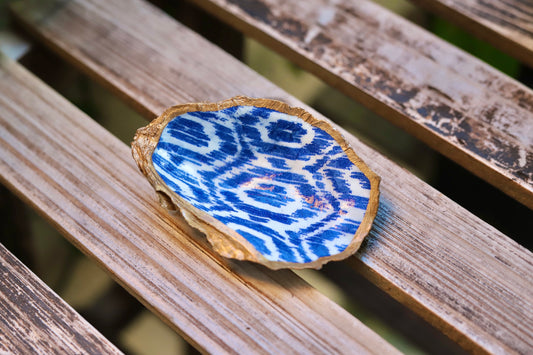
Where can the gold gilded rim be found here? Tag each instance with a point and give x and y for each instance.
(225, 240)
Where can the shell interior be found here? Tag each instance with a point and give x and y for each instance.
(286, 186)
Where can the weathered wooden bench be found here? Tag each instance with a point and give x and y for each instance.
(462, 275)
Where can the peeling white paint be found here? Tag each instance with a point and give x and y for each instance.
(522, 159)
(311, 34)
(326, 15)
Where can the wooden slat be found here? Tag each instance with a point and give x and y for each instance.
(35, 320)
(507, 24)
(461, 274)
(84, 180)
(400, 318)
(457, 104)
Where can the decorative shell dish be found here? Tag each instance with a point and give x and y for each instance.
(265, 182)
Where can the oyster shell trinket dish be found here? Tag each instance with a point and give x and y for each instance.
(265, 182)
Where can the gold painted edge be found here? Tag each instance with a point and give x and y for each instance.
(218, 234)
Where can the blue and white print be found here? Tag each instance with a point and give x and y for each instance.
(283, 184)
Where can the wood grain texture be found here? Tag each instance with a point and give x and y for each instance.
(461, 274)
(507, 25)
(455, 103)
(84, 181)
(35, 320)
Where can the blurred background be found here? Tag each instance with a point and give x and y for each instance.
(124, 320)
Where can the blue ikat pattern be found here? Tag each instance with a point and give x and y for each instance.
(283, 184)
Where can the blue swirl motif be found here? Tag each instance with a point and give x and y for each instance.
(284, 185)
